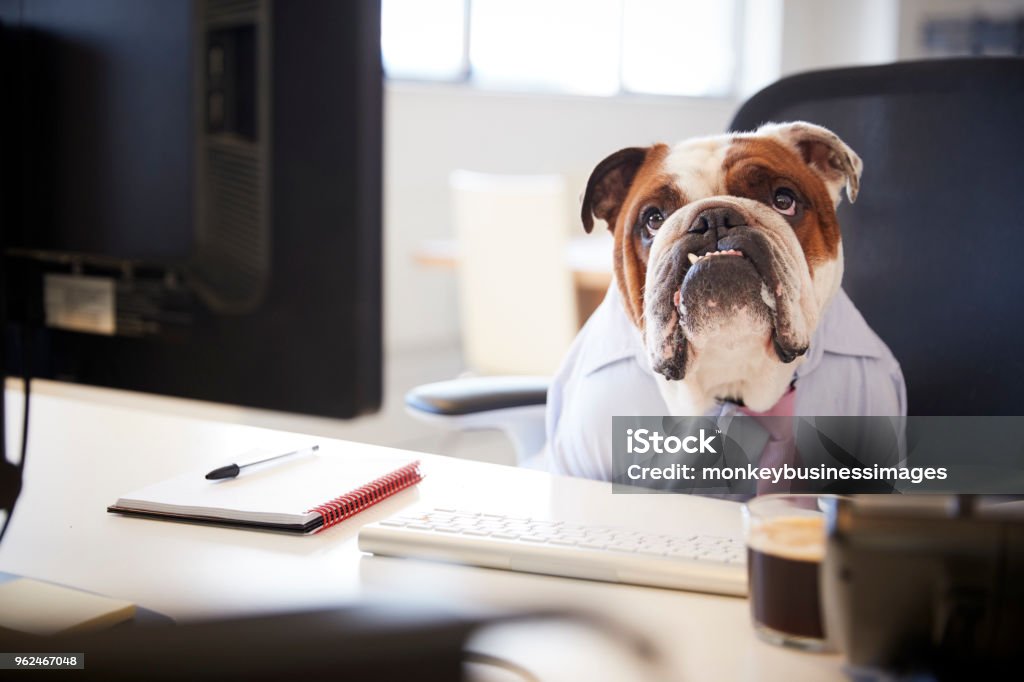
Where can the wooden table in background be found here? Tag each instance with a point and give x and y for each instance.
(589, 259)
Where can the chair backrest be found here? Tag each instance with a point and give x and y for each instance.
(935, 243)
(517, 302)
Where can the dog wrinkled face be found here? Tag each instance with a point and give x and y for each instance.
(727, 250)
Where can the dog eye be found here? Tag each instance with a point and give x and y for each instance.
(652, 219)
(784, 201)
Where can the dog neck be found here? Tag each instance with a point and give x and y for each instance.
(743, 370)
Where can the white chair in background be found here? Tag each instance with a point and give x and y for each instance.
(517, 300)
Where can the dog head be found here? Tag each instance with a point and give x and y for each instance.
(727, 251)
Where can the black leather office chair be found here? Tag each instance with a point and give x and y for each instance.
(935, 243)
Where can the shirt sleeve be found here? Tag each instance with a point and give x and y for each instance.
(580, 416)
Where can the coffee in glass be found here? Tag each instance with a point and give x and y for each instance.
(785, 548)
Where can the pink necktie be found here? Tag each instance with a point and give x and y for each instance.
(781, 446)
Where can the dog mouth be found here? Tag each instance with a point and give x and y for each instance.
(694, 258)
(727, 272)
(744, 244)
(699, 262)
(721, 268)
(703, 282)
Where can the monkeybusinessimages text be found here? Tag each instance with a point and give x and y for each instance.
(648, 442)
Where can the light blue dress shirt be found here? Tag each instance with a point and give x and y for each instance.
(849, 371)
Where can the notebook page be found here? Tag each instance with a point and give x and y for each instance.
(275, 492)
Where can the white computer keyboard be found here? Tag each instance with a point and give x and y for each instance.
(702, 563)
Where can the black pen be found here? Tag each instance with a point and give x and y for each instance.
(232, 470)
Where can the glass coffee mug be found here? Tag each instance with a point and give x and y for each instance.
(785, 536)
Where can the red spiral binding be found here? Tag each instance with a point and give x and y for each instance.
(340, 508)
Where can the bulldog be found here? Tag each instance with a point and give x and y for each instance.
(727, 251)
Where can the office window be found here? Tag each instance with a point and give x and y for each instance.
(679, 47)
(593, 47)
(561, 45)
(424, 39)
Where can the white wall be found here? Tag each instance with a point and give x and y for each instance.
(432, 130)
(820, 34)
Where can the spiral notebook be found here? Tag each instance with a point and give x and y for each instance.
(306, 495)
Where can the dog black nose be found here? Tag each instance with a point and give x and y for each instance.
(720, 218)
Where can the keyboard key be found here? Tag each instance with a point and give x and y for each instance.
(476, 531)
(541, 525)
(716, 556)
(421, 526)
(566, 542)
(504, 535)
(684, 553)
(395, 523)
(656, 547)
(624, 546)
(651, 551)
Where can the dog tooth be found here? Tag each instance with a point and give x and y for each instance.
(693, 258)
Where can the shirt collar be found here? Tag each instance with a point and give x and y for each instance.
(617, 337)
(842, 331)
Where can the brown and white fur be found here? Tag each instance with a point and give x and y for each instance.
(732, 325)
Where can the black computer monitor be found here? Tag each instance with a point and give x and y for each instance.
(192, 198)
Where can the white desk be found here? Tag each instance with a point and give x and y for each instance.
(83, 454)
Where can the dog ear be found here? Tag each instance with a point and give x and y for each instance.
(609, 184)
(825, 153)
